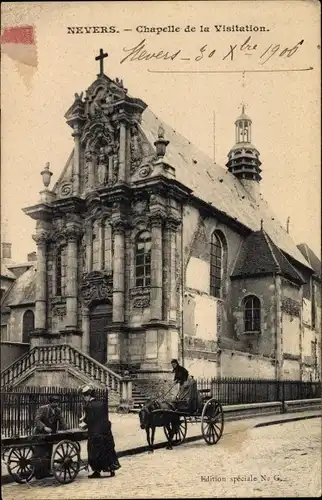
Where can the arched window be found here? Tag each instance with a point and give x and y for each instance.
(216, 265)
(252, 314)
(61, 269)
(143, 259)
(28, 326)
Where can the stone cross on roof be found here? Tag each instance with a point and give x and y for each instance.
(101, 58)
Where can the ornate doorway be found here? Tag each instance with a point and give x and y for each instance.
(100, 318)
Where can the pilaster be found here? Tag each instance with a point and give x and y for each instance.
(85, 329)
(88, 245)
(41, 239)
(73, 234)
(76, 174)
(171, 227)
(118, 271)
(156, 222)
(122, 152)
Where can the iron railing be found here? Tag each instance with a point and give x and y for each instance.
(19, 406)
(231, 391)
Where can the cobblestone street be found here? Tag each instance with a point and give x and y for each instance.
(279, 460)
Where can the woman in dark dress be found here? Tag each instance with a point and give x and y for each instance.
(100, 444)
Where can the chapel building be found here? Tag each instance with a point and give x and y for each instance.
(147, 250)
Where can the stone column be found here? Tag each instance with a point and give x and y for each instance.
(171, 228)
(89, 249)
(101, 253)
(118, 272)
(108, 246)
(41, 282)
(156, 268)
(72, 268)
(91, 172)
(86, 329)
(110, 169)
(122, 152)
(76, 136)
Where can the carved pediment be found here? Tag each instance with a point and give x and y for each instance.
(96, 286)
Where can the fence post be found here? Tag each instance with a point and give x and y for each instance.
(283, 397)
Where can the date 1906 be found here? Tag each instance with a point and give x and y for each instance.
(249, 48)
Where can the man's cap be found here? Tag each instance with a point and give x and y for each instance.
(174, 361)
(53, 398)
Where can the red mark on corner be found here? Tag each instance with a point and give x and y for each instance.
(18, 34)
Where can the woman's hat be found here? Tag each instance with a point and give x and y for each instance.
(87, 389)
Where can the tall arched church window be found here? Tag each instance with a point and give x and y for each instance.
(143, 259)
(252, 314)
(61, 270)
(28, 326)
(216, 265)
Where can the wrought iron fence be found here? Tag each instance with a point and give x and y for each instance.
(230, 391)
(19, 406)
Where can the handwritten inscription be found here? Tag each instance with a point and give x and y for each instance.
(249, 47)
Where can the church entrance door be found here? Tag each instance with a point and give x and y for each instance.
(100, 319)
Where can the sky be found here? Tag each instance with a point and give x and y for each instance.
(284, 105)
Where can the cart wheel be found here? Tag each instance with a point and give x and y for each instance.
(212, 421)
(65, 461)
(179, 433)
(19, 464)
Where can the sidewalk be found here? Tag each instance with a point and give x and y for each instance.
(130, 439)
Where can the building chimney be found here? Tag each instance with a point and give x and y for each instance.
(288, 225)
(31, 257)
(6, 250)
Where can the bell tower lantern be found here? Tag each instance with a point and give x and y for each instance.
(243, 158)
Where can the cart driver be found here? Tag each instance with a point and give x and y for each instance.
(180, 373)
(48, 420)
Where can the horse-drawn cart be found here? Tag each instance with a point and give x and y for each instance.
(65, 460)
(175, 421)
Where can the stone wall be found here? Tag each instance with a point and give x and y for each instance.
(242, 364)
(11, 351)
(264, 289)
(15, 323)
(291, 369)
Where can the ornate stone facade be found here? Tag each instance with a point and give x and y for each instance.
(122, 242)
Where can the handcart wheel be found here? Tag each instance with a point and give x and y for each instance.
(212, 421)
(65, 461)
(179, 433)
(19, 464)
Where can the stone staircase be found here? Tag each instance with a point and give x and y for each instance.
(138, 398)
(71, 361)
(144, 389)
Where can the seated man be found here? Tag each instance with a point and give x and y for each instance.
(48, 420)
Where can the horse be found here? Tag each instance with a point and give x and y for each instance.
(149, 421)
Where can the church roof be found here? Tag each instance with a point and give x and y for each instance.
(259, 256)
(23, 290)
(218, 187)
(310, 256)
(5, 272)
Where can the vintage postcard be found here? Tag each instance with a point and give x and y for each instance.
(160, 249)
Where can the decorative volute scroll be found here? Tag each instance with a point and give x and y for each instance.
(142, 153)
(95, 287)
